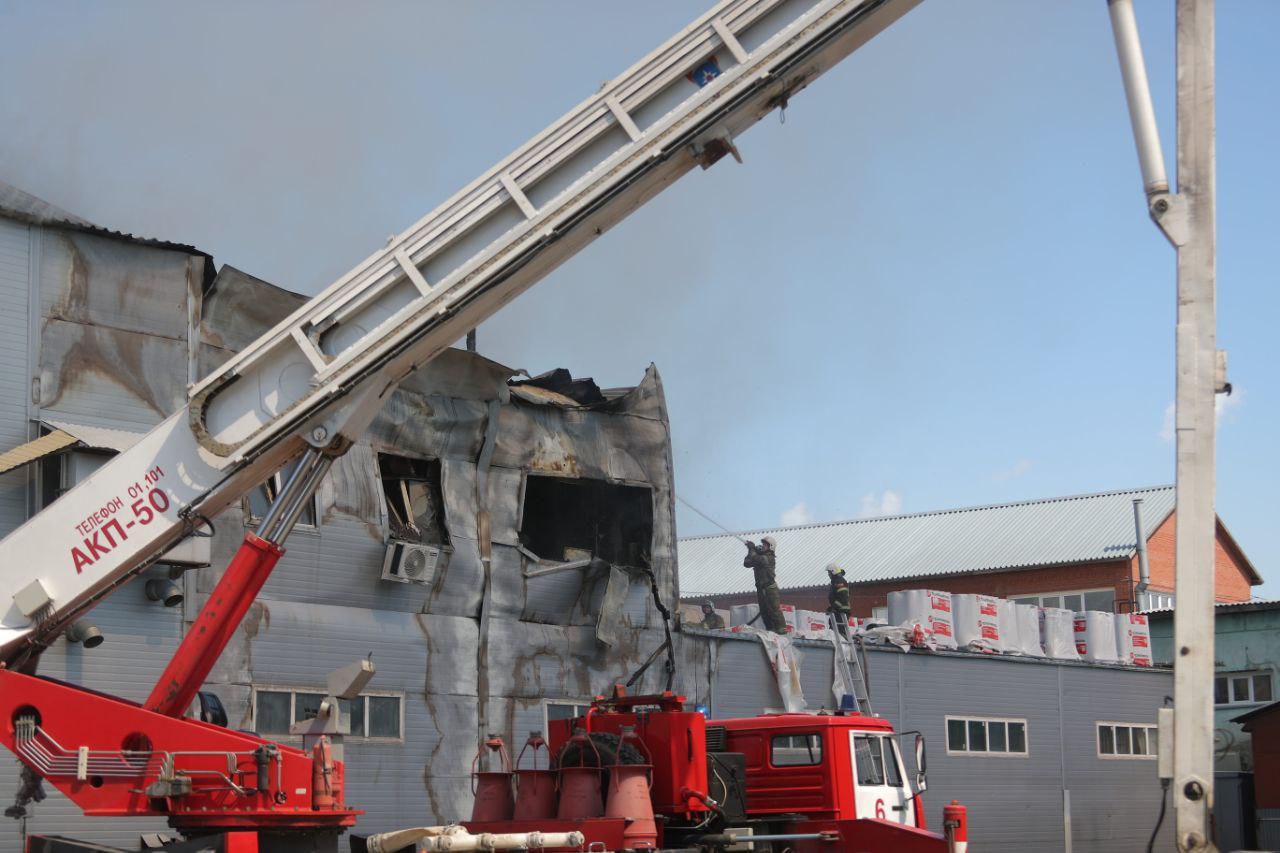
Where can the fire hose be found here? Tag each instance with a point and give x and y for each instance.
(438, 839)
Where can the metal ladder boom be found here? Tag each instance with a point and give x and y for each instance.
(321, 375)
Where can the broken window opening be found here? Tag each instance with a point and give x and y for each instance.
(564, 517)
(415, 499)
(261, 498)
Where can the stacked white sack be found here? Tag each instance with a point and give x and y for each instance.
(1026, 619)
(977, 622)
(1133, 639)
(928, 608)
(1057, 633)
(1095, 632)
(742, 614)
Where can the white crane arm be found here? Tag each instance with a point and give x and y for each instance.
(322, 373)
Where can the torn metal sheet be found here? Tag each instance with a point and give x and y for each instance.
(609, 618)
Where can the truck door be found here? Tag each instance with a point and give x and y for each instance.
(877, 778)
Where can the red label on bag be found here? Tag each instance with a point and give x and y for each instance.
(1140, 641)
(942, 629)
(937, 602)
(987, 608)
(1080, 626)
(990, 632)
(1082, 648)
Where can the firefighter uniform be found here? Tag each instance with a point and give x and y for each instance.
(838, 603)
(711, 620)
(762, 560)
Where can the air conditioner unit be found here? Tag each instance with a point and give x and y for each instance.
(411, 562)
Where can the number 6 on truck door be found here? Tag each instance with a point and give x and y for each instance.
(877, 778)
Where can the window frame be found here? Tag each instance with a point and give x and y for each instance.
(293, 692)
(1041, 596)
(817, 756)
(277, 480)
(1153, 739)
(1251, 674)
(583, 705)
(967, 719)
(436, 487)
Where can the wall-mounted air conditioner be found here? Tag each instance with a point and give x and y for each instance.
(411, 562)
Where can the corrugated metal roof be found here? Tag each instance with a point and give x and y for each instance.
(100, 438)
(1077, 529)
(23, 206)
(33, 450)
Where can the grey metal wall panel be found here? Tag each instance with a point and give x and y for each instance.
(89, 279)
(15, 377)
(108, 377)
(1015, 803)
(744, 683)
(1114, 802)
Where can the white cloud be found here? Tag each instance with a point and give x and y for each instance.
(798, 514)
(1017, 469)
(888, 503)
(1224, 409)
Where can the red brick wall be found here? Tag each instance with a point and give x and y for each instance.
(1231, 577)
(1004, 584)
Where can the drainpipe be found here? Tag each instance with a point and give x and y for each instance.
(1144, 569)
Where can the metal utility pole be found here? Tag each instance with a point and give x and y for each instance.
(1187, 219)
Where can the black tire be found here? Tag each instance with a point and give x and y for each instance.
(607, 745)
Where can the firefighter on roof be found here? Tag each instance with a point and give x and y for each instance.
(761, 559)
(838, 603)
(711, 620)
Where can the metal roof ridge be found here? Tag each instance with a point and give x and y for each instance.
(957, 510)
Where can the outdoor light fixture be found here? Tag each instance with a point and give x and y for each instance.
(163, 589)
(86, 633)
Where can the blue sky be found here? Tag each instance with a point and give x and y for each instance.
(934, 286)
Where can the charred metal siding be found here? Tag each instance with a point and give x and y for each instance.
(15, 286)
(1015, 803)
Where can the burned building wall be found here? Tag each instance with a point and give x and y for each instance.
(477, 647)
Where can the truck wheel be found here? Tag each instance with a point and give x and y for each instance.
(607, 745)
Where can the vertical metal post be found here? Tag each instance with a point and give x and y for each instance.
(1187, 219)
(1196, 240)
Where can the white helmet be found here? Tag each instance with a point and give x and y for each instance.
(768, 540)
(833, 569)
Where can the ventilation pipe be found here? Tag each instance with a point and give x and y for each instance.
(1144, 569)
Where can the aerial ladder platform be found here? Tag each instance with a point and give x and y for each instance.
(306, 390)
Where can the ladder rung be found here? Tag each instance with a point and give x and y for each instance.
(623, 117)
(730, 41)
(414, 274)
(518, 196)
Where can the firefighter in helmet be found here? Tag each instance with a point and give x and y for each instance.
(762, 560)
(838, 602)
(711, 620)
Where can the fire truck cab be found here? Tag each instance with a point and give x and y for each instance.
(826, 767)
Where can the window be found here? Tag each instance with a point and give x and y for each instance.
(563, 711)
(796, 750)
(1089, 599)
(611, 521)
(376, 716)
(875, 761)
(415, 499)
(1242, 688)
(1126, 740)
(60, 472)
(986, 736)
(261, 498)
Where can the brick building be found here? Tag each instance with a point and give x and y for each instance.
(1078, 552)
